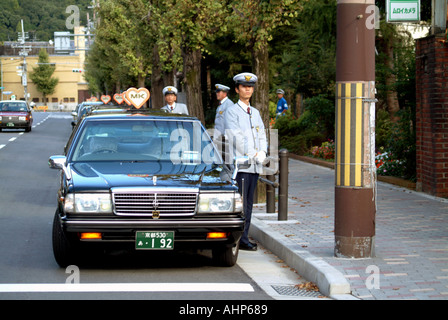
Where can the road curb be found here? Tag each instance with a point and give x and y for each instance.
(330, 281)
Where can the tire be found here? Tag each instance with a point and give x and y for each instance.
(65, 248)
(226, 256)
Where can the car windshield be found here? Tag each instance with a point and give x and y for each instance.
(13, 106)
(181, 142)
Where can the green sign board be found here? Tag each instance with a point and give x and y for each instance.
(403, 10)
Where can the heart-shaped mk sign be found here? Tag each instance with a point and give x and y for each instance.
(118, 97)
(105, 99)
(137, 97)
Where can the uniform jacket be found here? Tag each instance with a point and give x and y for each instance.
(219, 118)
(178, 108)
(246, 133)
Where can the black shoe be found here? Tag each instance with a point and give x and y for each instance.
(249, 246)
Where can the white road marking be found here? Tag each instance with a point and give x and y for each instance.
(126, 287)
(2, 146)
(12, 139)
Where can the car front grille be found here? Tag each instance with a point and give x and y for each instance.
(146, 203)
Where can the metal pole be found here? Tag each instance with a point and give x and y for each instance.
(355, 172)
(270, 195)
(283, 185)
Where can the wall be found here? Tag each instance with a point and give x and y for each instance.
(432, 115)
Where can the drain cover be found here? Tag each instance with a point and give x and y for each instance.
(293, 291)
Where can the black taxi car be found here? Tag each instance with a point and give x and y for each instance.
(15, 114)
(148, 182)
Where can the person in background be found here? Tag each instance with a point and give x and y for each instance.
(224, 102)
(172, 106)
(282, 105)
(218, 133)
(247, 137)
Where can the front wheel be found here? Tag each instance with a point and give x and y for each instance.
(226, 256)
(64, 247)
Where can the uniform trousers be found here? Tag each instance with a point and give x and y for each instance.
(247, 189)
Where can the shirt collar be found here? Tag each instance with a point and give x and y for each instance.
(243, 105)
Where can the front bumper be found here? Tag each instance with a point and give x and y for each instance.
(14, 124)
(191, 232)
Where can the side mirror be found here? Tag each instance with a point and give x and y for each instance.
(59, 162)
(240, 163)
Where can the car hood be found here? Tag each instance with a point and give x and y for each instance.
(106, 175)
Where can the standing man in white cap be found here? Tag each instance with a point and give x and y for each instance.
(224, 103)
(172, 106)
(247, 137)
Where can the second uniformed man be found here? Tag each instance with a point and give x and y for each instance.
(172, 106)
(246, 133)
(224, 103)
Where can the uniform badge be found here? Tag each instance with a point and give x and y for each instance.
(257, 128)
(247, 78)
(220, 112)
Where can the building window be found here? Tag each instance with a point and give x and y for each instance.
(54, 99)
(72, 99)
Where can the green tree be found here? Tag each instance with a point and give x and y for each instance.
(42, 75)
(121, 33)
(253, 23)
(305, 52)
(194, 24)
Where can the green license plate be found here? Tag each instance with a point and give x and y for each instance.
(10, 124)
(154, 240)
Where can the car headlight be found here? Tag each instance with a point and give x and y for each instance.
(219, 203)
(88, 203)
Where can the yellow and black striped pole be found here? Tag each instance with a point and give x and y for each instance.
(355, 177)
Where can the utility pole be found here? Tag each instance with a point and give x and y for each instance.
(24, 54)
(355, 171)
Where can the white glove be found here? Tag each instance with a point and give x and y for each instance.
(260, 157)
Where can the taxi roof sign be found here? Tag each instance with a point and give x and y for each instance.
(403, 10)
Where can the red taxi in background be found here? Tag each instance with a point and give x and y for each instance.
(15, 114)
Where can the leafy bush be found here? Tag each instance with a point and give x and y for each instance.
(387, 165)
(313, 127)
(325, 151)
(396, 143)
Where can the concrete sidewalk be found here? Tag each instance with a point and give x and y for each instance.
(411, 253)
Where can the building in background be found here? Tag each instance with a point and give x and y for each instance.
(67, 52)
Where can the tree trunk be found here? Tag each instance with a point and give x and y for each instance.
(261, 93)
(391, 93)
(156, 80)
(192, 77)
(260, 100)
